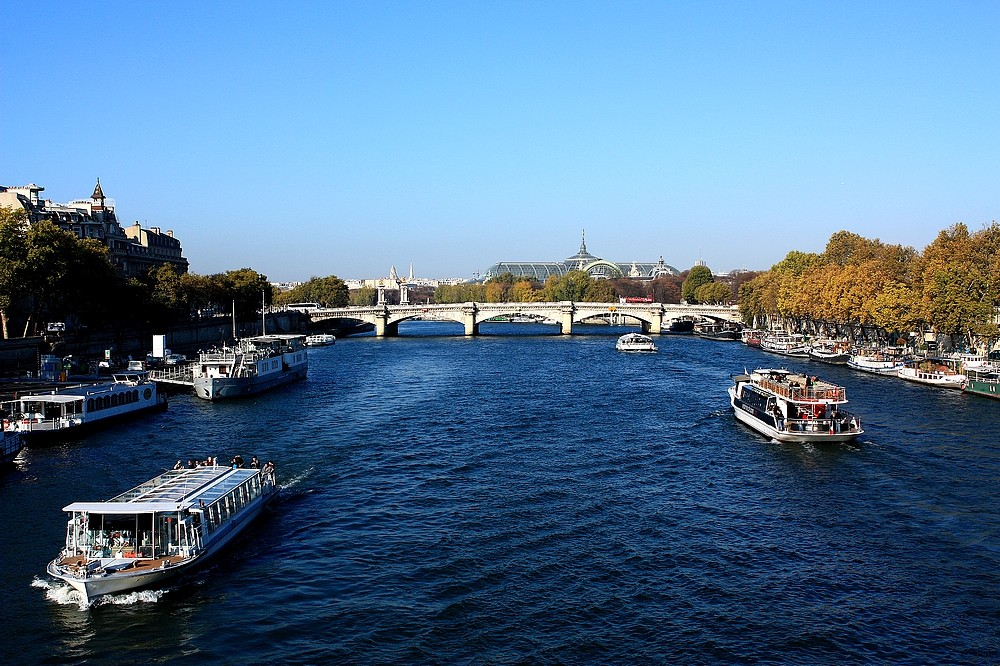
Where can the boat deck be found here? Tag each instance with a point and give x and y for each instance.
(795, 387)
(126, 563)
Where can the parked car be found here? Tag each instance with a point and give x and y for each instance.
(174, 359)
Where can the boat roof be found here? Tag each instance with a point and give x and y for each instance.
(173, 490)
(57, 398)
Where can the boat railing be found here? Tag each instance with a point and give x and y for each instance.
(841, 423)
(805, 393)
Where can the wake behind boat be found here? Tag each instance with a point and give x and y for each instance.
(793, 408)
(635, 342)
(74, 410)
(159, 529)
(251, 366)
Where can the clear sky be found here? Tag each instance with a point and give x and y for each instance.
(338, 138)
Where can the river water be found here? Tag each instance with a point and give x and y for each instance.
(528, 498)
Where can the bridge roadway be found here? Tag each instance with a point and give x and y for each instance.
(653, 317)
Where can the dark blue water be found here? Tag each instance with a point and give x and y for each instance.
(540, 499)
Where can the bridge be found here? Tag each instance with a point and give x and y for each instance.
(653, 317)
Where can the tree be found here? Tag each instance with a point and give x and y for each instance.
(13, 255)
(696, 277)
(714, 293)
(365, 296)
(328, 291)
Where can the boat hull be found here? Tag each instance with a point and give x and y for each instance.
(989, 389)
(222, 388)
(831, 358)
(10, 446)
(875, 367)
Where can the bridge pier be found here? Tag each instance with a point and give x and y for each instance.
(469, 311)
(566, 311)
(655, 326)
(383, 329)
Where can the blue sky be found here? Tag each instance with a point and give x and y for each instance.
(315, 138)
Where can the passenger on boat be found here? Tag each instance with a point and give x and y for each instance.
(254, 463)
(178, 465)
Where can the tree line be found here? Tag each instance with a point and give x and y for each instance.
(951, 288)
(48, 274)
(695, 286)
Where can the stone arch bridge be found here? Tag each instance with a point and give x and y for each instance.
(653, 317)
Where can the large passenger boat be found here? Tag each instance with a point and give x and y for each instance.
(786, 344)
(718, 331)
(320, 339)
(886, 362)
(983, 380)
(41, 417)
(159, 529)
(932, 373)
(251, 366)
(793, 408)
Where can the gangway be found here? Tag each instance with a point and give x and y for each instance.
(181, 374)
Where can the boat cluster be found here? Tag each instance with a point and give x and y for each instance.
(974, 373)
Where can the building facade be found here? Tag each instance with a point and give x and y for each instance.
(133, 250)
(581, 261)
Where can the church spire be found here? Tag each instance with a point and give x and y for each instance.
(583, 243)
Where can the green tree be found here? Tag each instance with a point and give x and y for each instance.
(696, 277)
(13, 257)
(365, 296)
(714, 293)
(328, 291)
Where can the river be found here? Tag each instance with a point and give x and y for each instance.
(527, 498)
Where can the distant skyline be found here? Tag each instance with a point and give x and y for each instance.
(311, 138)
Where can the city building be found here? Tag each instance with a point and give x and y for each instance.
(581, 261)
(133, 250)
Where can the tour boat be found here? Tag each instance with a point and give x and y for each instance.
(793, 408)
(786, 344)
(835, 352)
(41, 417)
(159, 529)
(751, 337)
(635, 342)
(253, 365)
(10, 446)
(981, 381)
(320, 339)
(932, 373)
(887, 362)
(718, 331)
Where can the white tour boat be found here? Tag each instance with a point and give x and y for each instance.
(793, 408)
(635, 342)
(878, 362)
(320, 339)
(932, 374)
(159, 529)
(835, 352)
(73, 410)
(10, 446)
(786, 344)
(252, 366)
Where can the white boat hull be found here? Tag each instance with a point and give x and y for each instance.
(218, 388)
(937, 379)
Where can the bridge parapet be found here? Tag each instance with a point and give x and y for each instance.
(652, 316)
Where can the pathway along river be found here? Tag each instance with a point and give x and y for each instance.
(541, 499)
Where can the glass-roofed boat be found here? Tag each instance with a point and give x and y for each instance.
(159, 529)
